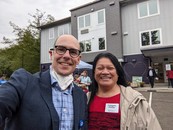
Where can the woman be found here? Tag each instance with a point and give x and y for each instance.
(170, 76)
(113, 105)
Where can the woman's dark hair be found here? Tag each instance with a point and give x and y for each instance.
(119, 70)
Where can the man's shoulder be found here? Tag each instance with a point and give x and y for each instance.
(22, 71)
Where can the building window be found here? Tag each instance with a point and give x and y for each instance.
(145, 39)
(60, 31)
(87, 20)
(81, 22)
(63, 29)
(88, 45)
(150, 37)
(100, 17)
(102, 43)
(82, 47)
(84, 21)
(155, 37)
(149, 8)
(51, 33)
(66, 29)
(85, 46)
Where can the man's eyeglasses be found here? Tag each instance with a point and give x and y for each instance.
(62, 50)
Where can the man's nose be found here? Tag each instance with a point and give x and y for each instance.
(67, 54)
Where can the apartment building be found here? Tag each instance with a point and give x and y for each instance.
(137, 32)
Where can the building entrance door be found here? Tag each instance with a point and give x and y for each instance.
(159, 71)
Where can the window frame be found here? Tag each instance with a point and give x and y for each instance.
(102, 18)
(63, 29)
(51, 33)
(150, 37)
(84, 17)
(85, 43)
(99, 44)
(148, 9)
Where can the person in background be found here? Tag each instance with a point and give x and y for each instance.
(46, 100)
(2, 79)
(170, 76)
(167, 72)
(76, 79)
(85, 81)
(151, 76)
(112, 104)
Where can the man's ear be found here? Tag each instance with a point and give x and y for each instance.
(51, 54)
(79, 58)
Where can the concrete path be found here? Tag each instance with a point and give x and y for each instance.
(158, 87)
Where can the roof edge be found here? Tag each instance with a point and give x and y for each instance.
(57, 22)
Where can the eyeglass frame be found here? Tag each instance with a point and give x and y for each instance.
(56, 46)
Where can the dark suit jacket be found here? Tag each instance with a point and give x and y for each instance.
(26, 101)
(154, 73)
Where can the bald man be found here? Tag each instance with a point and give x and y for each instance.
(46, 100)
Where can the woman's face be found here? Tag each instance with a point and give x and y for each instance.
(105, 73)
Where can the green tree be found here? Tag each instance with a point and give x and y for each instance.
(24, 50)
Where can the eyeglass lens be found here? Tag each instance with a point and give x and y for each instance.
(72, 52)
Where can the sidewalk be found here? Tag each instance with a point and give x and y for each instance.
(158, 87)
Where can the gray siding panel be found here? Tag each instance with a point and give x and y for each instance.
(132, 25)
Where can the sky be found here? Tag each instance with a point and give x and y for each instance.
(17, 12)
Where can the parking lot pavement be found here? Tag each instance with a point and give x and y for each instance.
(161, 99)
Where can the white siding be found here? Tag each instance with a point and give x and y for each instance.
(95, 31)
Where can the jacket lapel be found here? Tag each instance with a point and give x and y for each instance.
(76, 102)
(46, 93)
